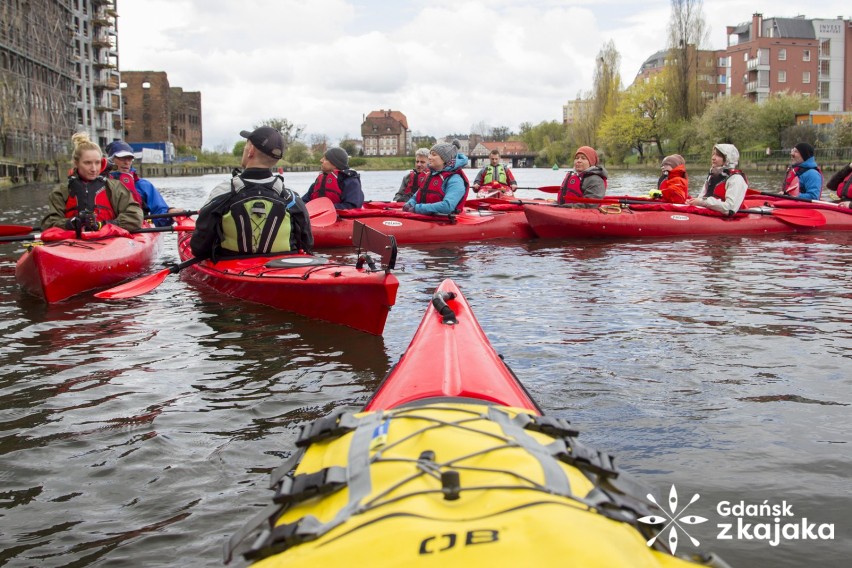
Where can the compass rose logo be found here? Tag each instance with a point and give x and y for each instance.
(674, 520)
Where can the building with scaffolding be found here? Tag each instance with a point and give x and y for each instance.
(58, 75)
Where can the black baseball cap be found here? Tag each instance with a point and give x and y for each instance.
(267, 140)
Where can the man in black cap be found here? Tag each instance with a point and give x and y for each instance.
(253, 213)
(336, 181)
(804, 177)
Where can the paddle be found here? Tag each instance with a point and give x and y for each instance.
(37, 236)
(797, 217)
(175, 214)
(545, 189)
(145, 284)
(9, 230)
(322, 212)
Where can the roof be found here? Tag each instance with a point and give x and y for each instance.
(790, 27)
(392, 114)
(505, 148)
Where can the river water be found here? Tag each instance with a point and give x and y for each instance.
(141, 432)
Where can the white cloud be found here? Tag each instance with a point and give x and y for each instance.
(445, 64)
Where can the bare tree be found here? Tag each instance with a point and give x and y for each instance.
(290, 131)
(688, 32)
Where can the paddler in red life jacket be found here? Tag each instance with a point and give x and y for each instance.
(587, 179)
(841, 184)
(804, 177)
(495, 180)
(673, 185)
(121, 155)
(447, 185)
(414, 179)
(726, 186)
(336, 181)
(91, 200)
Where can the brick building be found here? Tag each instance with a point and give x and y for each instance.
(386, 133)
(154, 111)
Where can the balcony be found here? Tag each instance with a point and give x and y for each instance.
(101, 41)
(756, 64)
(757, 87)
(103, 65)
(111, 83)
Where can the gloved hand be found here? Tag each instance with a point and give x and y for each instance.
(89, 221)
(408, 207)
(72, 223)
(655, 194)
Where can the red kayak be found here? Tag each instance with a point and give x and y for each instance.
(57, 270)
(356, 296)
(450, 336)
(669, 220)
(452, 465)
(332, 228)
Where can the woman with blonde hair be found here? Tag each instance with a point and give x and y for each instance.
(91, 199)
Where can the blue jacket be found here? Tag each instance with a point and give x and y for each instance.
(454, 191)
(810, 180)
(153, 202)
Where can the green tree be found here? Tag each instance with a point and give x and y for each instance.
(730, 120)
(778, 113)
(297, 153)
(238, 148)
(638, 120)
(687, 34)
(841, 136)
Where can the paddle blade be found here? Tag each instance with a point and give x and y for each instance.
(135, 287)
(800, 217)
(322, 212)
(15, 230)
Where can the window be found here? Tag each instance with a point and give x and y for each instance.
(745, 55)
(824, 68)
(782, 54)
(825, 48)
(806, 55)
(723, 62)
(782, 76)
(806, 77)
(146, 85)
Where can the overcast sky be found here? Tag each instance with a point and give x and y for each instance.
(446, 65)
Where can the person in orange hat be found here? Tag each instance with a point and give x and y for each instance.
(673, 185)
(587, 180)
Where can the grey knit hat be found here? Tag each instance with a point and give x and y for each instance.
(446, 151)
(338, 157)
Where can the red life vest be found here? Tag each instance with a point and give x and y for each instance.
(844, 188)
(327, 185)
(129, 181)
(572, 185)
(434, 188)
(89, 196)
(719, 189)
(415, 181)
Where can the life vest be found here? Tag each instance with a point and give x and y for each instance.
(674, 185)
(257, 217)
(572, 185)
(415, 181)
(92, 196)
(844, 188)
(500, 178)
(327, 185)
(434, 188)
(790, 185)
(717, 182)
(129, 181)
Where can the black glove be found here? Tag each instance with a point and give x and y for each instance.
(89, 221)
(72, 223)
(408, 207)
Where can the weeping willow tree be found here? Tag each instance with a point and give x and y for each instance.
(688, 32)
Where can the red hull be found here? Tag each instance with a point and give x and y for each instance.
(340, 294)
(56, 271)
(479, 225)
(451, 361)
(561, 222)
